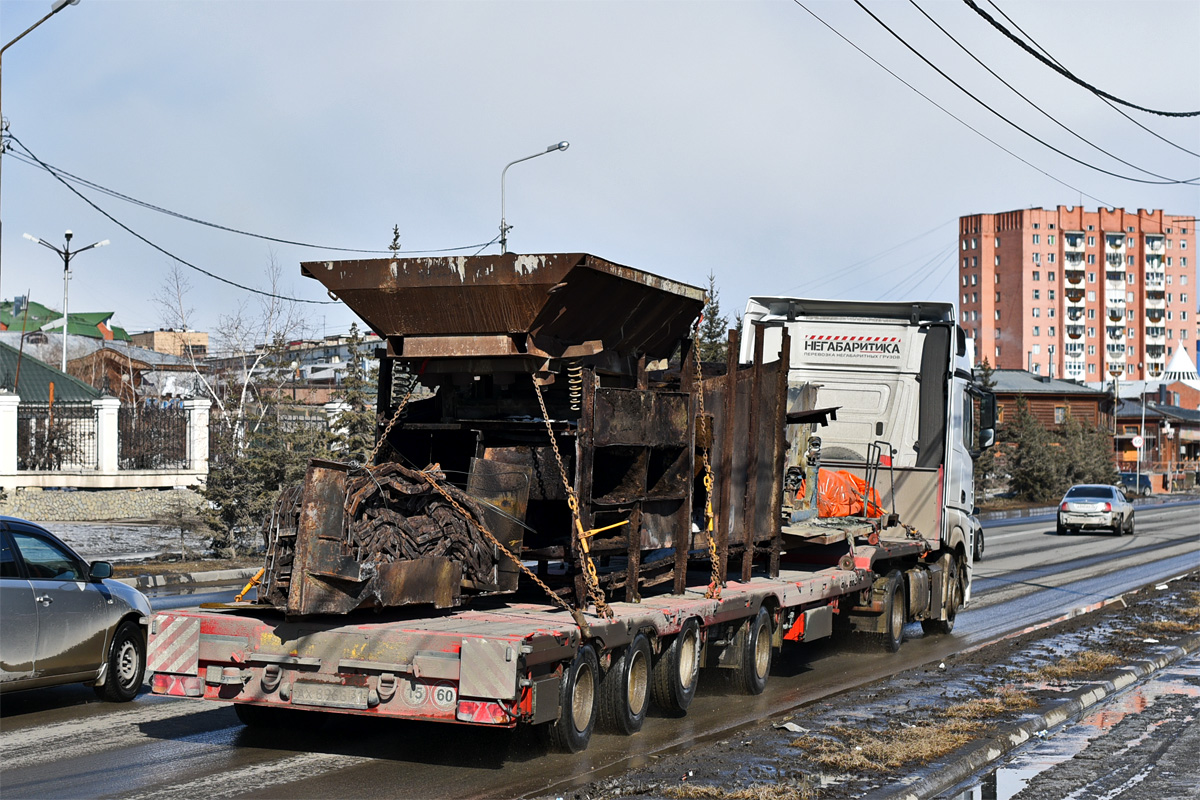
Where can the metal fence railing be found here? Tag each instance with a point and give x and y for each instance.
(152, 436)
(62, 436)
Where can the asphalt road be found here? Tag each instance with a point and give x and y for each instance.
(64, 743)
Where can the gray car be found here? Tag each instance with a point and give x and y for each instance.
(63, 621)
(1095, 506)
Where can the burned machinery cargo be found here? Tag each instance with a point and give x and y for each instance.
(536, 393)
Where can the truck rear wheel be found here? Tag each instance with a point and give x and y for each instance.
(893, 611)
(678, 670)
(957, 577)
(754, 656)
(625, 690)
(577, 704)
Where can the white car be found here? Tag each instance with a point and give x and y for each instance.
(63, 621)
(1095, 506)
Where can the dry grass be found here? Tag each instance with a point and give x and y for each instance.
(1086, 663)
(858, 750)
(178, 567)
(1166, 627)
(757, 791)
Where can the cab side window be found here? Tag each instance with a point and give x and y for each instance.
(45, 561)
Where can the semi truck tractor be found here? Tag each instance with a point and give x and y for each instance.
(567, 514)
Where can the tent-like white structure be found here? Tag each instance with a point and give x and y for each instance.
(1181, 368)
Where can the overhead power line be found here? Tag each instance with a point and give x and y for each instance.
(1005, 119)
(960, 121)
(1018, 93)
(1067, 73)
(1105, 100)
(63, 174)
(162, 250)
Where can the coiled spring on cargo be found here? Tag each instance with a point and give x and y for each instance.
(575, 384)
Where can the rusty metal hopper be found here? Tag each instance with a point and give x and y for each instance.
(556, 305)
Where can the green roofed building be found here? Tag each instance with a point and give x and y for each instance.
(93, 324)
(36, 377)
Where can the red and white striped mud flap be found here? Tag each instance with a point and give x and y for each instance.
(174, 645)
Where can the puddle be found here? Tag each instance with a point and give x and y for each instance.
(1067, 742)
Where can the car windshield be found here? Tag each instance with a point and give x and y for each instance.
(1089, 492)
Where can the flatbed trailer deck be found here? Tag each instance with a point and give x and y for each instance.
(501, 663)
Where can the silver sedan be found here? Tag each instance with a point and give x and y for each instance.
(63, 621)
(1095, 506)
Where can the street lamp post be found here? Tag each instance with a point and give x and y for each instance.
(505, 227)
(65, 254)
(55, 7)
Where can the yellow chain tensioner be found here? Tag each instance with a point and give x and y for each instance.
(714, 556)
(590, 576)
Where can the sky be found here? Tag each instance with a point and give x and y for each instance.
(746, 140)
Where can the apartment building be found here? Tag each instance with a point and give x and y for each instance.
(1076, 294)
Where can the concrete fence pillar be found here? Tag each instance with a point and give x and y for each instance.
(106, 433)
(8, 433)
(197, 433)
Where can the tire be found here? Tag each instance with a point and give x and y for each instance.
(893, 611)
(942, 627)
(754, 656)
(1061, 530)
(1118, 528)
(126, 664)
(978, 554)
(578, 703)
(625, 689)
(677, 671)
(1129, 527)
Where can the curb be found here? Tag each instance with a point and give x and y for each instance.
(985, 751)
(176, 579)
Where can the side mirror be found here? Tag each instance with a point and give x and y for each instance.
(100, 570)
(987, 438)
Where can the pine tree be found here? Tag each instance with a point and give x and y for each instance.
(1035, 464)
(395, 245)
(354, 428)
(714, 328)
(985, 462)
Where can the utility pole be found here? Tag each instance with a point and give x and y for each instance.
(65, 254)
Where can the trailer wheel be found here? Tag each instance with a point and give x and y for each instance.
(893, 611)
(754, 659)
(956, 576)
(577, 704)
(678, 670)
(625, 690)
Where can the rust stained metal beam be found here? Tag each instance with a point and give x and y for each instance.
(750, 510)
(781, 398)
(724, 495)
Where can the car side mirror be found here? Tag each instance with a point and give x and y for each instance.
(100, 570)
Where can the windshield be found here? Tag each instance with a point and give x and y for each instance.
(1100, 492)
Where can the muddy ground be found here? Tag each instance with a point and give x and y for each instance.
(864, 741)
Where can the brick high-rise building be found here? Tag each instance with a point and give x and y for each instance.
(1083, 295)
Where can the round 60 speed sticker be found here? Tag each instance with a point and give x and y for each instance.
(445, 695)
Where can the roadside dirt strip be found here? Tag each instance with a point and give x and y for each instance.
(924, 731)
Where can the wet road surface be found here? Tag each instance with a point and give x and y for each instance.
(63, 743)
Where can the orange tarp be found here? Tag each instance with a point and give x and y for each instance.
(840, 494)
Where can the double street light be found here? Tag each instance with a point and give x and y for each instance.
(504, 226)
(66, 254)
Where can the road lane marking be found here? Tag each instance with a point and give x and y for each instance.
(56, 741)
(248, 779)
